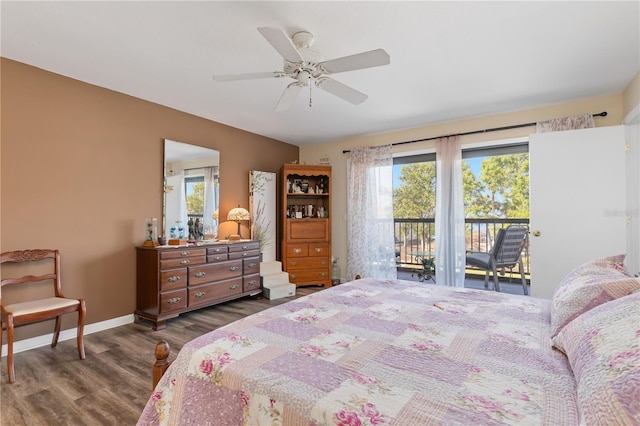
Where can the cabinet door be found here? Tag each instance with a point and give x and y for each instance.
(307, 230)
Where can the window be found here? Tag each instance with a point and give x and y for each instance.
(495, 180)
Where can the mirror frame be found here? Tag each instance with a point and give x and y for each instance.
(184, 156)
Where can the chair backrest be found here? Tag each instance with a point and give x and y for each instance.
(508, 245)
(27, 256)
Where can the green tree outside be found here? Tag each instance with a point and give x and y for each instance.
(195, 200)
(501, 190)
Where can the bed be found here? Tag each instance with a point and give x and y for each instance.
(393, 352)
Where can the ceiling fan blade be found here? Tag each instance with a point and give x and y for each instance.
(247, 76)
(282, 43)
(372, 58)
(288, 97)
(340, 90)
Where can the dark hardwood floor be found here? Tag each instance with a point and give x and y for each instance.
(112, 385)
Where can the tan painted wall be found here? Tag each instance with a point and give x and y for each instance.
(311, 154)
(81, 168)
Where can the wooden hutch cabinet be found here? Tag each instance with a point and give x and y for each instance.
(174, 280)
(306, 224)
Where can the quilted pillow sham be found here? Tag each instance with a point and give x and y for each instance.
(603, 349)
(587, 286)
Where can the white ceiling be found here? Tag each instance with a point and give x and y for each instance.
(449, 60)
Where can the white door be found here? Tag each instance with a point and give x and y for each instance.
(577, 196)
(262, 203)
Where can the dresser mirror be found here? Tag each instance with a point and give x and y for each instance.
(191, 192)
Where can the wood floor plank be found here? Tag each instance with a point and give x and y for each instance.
(111, 386)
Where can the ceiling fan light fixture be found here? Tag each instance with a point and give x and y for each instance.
(304, 77)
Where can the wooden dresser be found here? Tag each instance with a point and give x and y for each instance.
(174, 280)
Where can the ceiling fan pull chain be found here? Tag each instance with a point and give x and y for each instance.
(309, 90)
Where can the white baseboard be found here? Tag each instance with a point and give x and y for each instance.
(45, 340)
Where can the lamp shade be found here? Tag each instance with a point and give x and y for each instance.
(238, 214)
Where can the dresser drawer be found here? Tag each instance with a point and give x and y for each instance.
(204, 294)
(243, 254)
(173, 301)
(310, 276)
(318, 249)
(217, 250)
(251, 266)
(173, 279)
(251, 282)
(307, 263)
(253, 245)
(174, 263)
(217, 271)
(297, 250)
(181, 254)
(221, 257)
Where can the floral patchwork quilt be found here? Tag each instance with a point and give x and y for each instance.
(375, 352)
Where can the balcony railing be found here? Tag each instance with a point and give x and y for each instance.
(415, 238)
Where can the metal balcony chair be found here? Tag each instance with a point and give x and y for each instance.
(40, 309)
(505, 253)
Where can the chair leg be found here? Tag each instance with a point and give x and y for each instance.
(524, 281)
(496, 286)
(56, 332)
(81, 315)
(486, 279)
(10, 369)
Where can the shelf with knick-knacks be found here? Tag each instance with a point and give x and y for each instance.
(307, 196)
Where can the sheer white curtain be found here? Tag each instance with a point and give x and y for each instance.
(209, 196)
(175, 201)
(371, 250)
(450, 230)
(584, 121)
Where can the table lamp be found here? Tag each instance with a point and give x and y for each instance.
(238, 214)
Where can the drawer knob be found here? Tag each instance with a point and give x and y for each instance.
(245, 254)
(216, 258)
(252, 282)
(245, 247)
(184, 262)
(185, 253)
(323, 262)
(174, 300)
(233, 287)
(319, 249)
(200, 274)
(323, 274)
(200, 294)
(292, 275)
(252, 265)
(173, 279)
(293, 263)
(297, 250)
(234, 268)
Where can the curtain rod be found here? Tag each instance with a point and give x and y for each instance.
(473, 132)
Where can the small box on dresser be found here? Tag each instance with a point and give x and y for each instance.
(174, 280)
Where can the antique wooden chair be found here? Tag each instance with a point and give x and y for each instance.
(31, 311)
(505, 253)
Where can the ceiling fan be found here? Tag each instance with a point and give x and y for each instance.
(305, 65)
